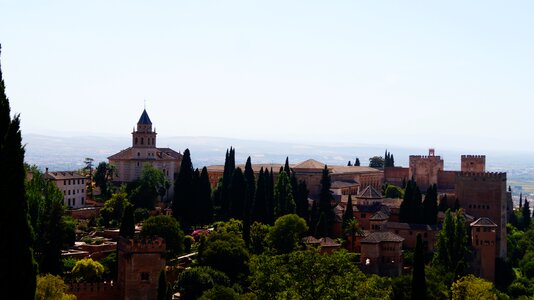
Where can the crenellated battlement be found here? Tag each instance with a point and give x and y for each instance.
(425, 157)
(155, 244)
(473, 156)
(494, 175)
(84, 287)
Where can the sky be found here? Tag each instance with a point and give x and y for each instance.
(443, 74)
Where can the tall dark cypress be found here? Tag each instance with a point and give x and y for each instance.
(270, 196)
(127, 229)
(52, 236)
(162, 286)
(430, 205)
(250, 193)
(250, 182)
(526, 214)
(286, 167)
(237, 195)
(259, 207)
(182, 206)
(357, 162)
(348, 215)
(301, 200)
(283, 196)
(229, 168)
(195, 218)
(418, 272)
(326, 210)
(18, 271)
(204, 198)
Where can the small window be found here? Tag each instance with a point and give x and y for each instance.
(83, 200)
(138, 154)
(64, 182)
(142, 141)
(145, 276)
(136, 141)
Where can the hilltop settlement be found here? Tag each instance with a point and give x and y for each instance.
(147, 224)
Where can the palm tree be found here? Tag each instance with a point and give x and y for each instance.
(352, 229)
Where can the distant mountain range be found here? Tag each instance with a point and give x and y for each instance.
(68, 153)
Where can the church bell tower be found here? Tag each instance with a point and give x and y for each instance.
(144, 136)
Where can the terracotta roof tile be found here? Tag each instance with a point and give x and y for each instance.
(378, 237)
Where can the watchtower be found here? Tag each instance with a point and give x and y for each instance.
(140, 261)
(484, 195)
(473, 163)
(484, 241)
(425, 169)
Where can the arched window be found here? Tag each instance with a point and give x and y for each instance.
(142, 141)
(136, 141)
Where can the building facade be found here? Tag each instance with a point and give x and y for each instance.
(71, 184)
(129, 162)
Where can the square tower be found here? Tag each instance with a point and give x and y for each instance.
(474, 163)
(140, 261)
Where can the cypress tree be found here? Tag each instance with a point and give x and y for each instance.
(314, 218)
(526, 215)
(237, 195)
(259, 207)
(302, 201)
(443, 204)
(405, 214)
(127, 229)
(357, 162)
(270, 196)
(18, 271)
(430, 205)
(286, 167)
(250, 182)
(418, 212)
(520, 200)
(322, 229)
(195, 219)
(460, 248)
(326, 210)
(52, 236)
(456, 204)
(229, 168)
(349, 164)
(204, 198)
(182, 206)
(283, 196)
(418, 272)
(348, 215)
(162, 286)
(250, 193)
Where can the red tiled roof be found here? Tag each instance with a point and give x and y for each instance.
(377, 237)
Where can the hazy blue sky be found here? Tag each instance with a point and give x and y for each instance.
(444, 74)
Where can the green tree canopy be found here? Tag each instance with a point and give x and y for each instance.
(87, 270)
(113, 209)
(194, 281)
(152, 185)
(50, 287)
(311, 275)
(226, 252)
(167, 228)
(471, 287)
(376, 162)
(286, 233)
